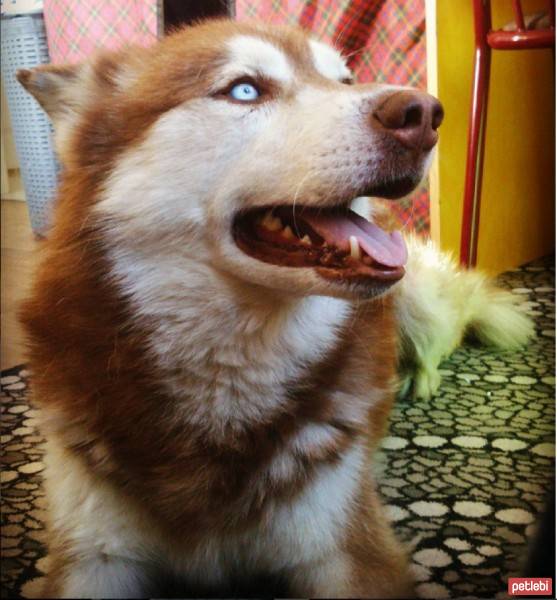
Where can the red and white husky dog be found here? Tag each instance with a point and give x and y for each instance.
(212, 333)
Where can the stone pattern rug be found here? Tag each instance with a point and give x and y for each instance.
(22, 534)
(464, 474)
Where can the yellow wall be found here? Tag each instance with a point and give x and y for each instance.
(518, 197)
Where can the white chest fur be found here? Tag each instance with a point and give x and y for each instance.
(227, 353)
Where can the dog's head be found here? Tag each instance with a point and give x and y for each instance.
(241, 147)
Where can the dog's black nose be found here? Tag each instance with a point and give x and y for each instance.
(412, 117)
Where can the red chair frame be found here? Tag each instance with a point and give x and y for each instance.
(487, 39)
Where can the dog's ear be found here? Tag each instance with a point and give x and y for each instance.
(56, 89)
(65, 93)
(68, 92)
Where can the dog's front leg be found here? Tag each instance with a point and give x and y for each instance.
(342, 575)
(100, 544)
(97, 576)
(330, 577)
(368, 562)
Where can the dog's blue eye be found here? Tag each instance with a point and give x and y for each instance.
(245, 92)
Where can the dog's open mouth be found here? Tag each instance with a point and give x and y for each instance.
(339, 243)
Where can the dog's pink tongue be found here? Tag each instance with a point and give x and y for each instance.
(387, 249)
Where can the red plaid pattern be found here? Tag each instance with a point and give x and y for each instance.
(384, 41)
(76, 28)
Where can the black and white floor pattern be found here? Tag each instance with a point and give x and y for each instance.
(464, 474)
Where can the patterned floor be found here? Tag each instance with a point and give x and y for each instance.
(464, 474)
(23, 551)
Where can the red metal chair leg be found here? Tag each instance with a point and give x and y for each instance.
(476, 136)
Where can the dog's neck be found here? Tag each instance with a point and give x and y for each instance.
(228, 350)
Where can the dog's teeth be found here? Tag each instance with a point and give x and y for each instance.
(271, 223)
(287, 232)
(306, 240)
(355, 248)
(266, 218)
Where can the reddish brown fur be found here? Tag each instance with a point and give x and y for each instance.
(91, 364)
(90, 361)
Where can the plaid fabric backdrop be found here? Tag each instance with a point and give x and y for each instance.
(384, 41)
(75, 28)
